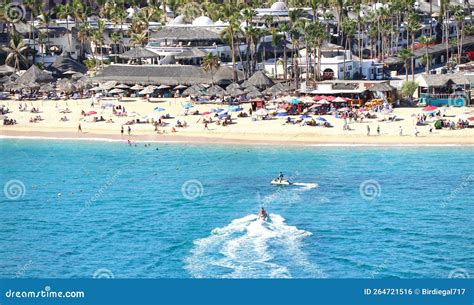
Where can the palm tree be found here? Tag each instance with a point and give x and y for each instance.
(426, 41)
(16, 49)
(412, 27)
(116, 38)
(139, 39)
(349, 29)
(229, 34)
(209, 63)
(459, 18)
(317, 35)
(276, 41)
(64, 11)
(33, 6)
(83, 34)
(45, 19)
(284, 28)
(146, 15)
(406, 56)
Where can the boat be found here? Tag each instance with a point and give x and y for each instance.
(281, 181)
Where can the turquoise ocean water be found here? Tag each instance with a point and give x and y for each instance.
(84, 209)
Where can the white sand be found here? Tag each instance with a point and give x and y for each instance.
(244, 131)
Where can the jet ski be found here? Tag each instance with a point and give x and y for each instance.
(263, 215)
(281, 181)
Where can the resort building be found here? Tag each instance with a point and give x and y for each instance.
(445, 89)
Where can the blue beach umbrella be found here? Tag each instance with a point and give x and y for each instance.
(159, 109)
(235, 108)
(294, 100)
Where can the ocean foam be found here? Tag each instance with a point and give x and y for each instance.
(251, 248)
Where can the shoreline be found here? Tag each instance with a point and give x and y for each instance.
(238, 139)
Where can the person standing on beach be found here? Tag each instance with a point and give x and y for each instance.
(416, 132)
(79, 128)
(401, 131)
(378, 130)
(129, 130)
(121, 130)
(368, 130)
(205, 126)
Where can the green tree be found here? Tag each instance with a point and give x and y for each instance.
(210, 62)
(64, 11)
(426, 41)
(16, 50)
(405, 55)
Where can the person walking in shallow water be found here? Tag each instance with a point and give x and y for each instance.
(79, 128)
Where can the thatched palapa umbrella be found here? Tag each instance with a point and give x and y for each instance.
(260, 80)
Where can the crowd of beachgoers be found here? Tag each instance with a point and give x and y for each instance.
(257, 118)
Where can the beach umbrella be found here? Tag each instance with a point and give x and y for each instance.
(69, 72)
(116, 91)
(261, 112)
(233, 86)
(161, 87)
(136, 87)
(339, 100)
(215, 90)
(294, 100)
(254, 94)
(122, 86)
(261, 80)
(180, 87)
(108, 85)
(235, 92)
(159, 109)
(430, 108)
(147, 90)
(235, 108)
(323, 102)
(96, 88)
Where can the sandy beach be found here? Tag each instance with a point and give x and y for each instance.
(243, 131)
